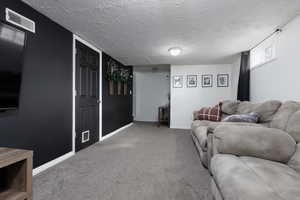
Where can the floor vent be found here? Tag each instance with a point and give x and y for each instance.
(85, 136)
(19, 20)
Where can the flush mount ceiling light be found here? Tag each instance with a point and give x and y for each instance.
(175, 51)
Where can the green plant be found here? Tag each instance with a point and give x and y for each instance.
(115, 73)
(125, 74)
(112, 71)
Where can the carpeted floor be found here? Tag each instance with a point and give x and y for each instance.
(143, 162)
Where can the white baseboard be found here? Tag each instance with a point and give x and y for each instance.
(52, 163)
(70, 154)
(180, 127)
(141, 120)
(115, 132)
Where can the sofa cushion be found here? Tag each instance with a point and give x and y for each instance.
(245, 107)
(211, 114)
(293, 126)
(295, 160)
(251, 178)
(266, 110)
(271, 172)
(230, 107)
(283, 114)
(266, 143)
(249, 118)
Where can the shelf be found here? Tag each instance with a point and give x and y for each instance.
(13, 195)
(15, 174)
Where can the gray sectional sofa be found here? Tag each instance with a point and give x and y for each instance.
(253, 161)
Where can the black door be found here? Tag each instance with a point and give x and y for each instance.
(87, 96)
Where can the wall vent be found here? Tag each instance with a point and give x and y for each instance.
(85, 136)
(19, 20)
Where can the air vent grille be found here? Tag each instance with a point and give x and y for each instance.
(85, 136)
(19, 20)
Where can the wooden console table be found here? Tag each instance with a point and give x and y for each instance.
(15, 174)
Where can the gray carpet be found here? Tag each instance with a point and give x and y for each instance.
(143, 162)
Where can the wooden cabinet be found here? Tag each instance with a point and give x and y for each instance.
(15, 174)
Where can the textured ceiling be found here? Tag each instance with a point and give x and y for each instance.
(140, 32)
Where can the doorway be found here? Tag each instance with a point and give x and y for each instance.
(147, 97)
(87, 95)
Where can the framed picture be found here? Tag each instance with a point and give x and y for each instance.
(223, 80)
(177, 81)
(207, 80)
(191, 81)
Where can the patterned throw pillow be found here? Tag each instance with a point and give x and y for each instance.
(210, 114)
(252, 117)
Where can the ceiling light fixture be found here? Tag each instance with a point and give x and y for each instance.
(175, 51)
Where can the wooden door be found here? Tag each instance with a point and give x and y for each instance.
(87, 96)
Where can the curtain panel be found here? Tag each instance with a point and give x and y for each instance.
(244, 78)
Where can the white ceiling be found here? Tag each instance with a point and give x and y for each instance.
(140, 32)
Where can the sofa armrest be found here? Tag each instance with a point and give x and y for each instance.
(260, 142)
(209, 150)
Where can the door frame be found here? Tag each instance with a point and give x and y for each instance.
(77, 38)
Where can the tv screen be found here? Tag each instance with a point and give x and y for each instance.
(12, 42)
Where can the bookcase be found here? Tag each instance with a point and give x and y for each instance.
(15, 174)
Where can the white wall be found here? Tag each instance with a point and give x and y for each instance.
(151, 88)
(186, 100)
(280, 79)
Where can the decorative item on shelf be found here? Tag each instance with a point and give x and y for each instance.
(119, 76)
(119, 87)
(111, 75)
(223, 80)
(111, 87)
(125, 75)
(191, 81)
(207, 80)
(125, 89)
(119, 82)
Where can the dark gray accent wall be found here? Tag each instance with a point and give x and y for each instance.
(43, 122)
(116, 110)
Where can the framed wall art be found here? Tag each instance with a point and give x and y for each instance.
(191, 81)
(223, 80)
(177, 81)
(207, 80)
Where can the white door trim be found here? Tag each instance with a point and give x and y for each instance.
(77, 38)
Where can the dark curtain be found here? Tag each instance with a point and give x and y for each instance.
(244, 79)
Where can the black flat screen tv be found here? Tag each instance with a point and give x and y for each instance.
(12, 43)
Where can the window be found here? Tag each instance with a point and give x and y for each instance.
(264, 53)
